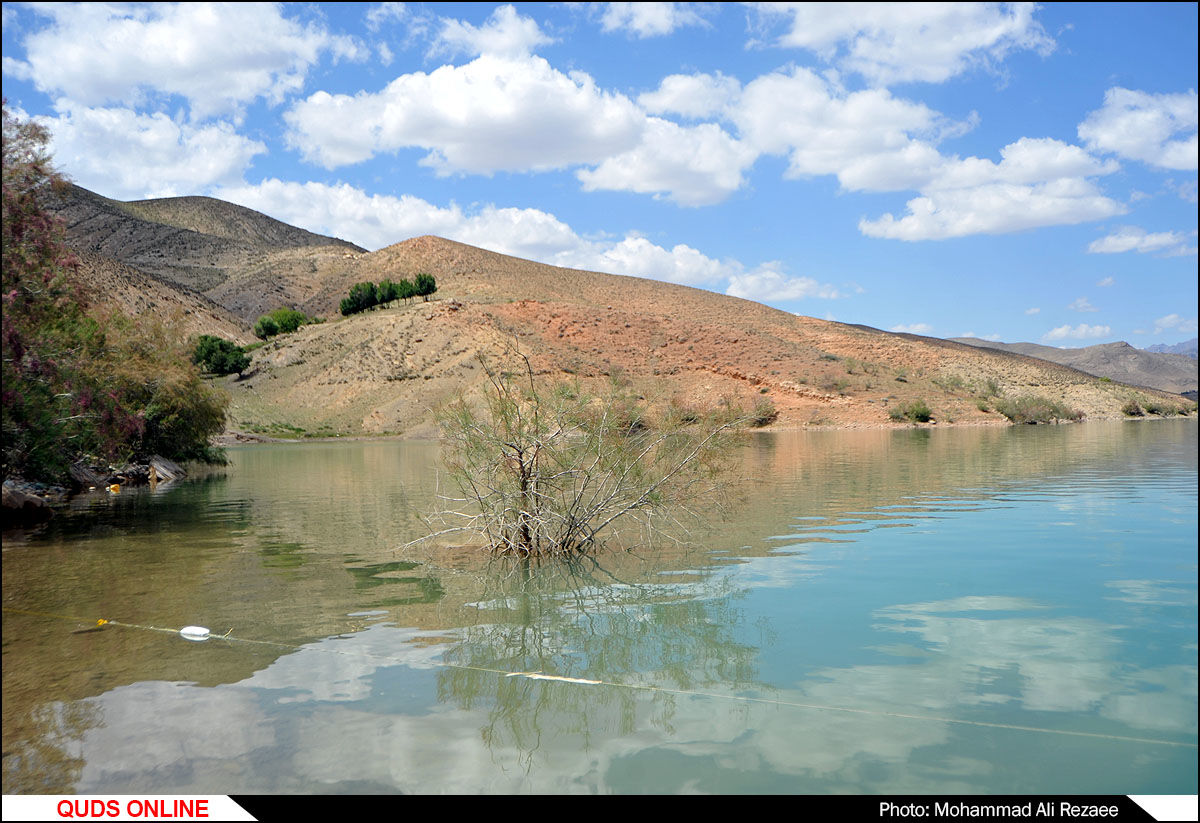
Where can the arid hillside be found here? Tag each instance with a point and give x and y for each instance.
(137, 293)
(199, 244)
(1175, 373)
(385, 371)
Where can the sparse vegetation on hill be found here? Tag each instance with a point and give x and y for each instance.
(81, 380)
(220, 356)
(281, 321)
(916, 411)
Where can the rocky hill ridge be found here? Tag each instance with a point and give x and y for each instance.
(1119, 361)
(385, 371)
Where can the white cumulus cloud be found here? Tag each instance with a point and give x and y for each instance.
(638, 256)
(997, 208)
(1175, 322)
(1081, 304)
(692, 95)
(768, 283)
(1081, 332)
(492, 114)
(901, 42)
(650, 19)
(217, 56)
(374, 220)
(869, 139)
(1038, 182)
(912, 328)
(694, 166)
(1158, 129)
(1133, 238)
(504, 33)
(126, 155)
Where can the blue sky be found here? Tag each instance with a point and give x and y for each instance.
(1010, 171)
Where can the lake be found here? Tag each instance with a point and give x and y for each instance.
(992, 610)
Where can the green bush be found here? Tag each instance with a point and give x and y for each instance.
(281, 321)
(266, 327)
(918, 412)
(1036, 410)
(220, 356)
(764, 413)
(1133, 409)
(1162, 408)
(289, 320)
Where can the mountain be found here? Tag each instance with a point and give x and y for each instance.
(200, 244)
(1186, 348)
(1173, 373)
(217, 218)
(137, 293)
(203, 263)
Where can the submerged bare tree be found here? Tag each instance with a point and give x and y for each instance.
(551, 470)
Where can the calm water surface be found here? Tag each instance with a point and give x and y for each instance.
(960, 611)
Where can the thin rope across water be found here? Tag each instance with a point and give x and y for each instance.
(767, 701)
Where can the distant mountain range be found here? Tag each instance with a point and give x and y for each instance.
(1176, 373)
(1186, 348)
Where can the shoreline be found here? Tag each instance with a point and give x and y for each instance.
(235, 437)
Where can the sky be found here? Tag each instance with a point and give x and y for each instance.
(1008, 171)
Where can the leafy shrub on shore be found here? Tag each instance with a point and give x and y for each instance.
(1133, 409)
(916, 411)
(1033, 409)
(81, 380)
(1161, 408)
(764, 413)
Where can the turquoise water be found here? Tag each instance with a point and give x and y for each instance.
(956, 611)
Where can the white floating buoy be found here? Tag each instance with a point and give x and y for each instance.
(194, 633)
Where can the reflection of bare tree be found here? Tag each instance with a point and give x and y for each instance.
(581, 621)
(42, 759)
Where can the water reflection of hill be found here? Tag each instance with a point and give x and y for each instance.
(835, 473)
